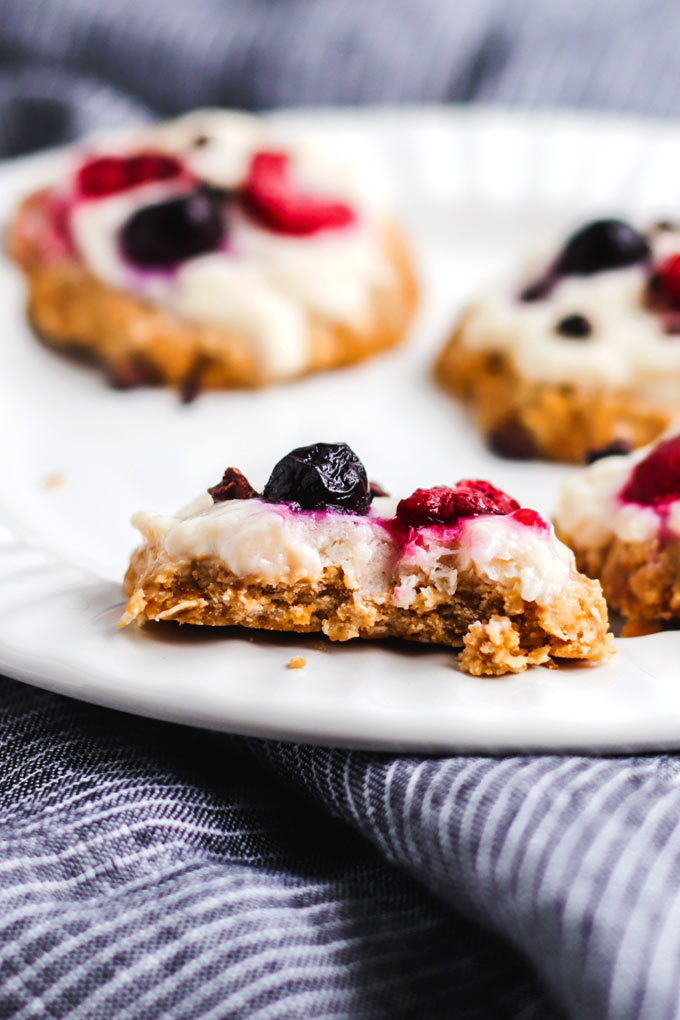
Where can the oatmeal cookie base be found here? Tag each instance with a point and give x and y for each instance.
(641, 580)
(139, 343)
(553, 421)
(500, 633)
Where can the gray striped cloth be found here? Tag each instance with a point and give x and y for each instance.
(151, 872)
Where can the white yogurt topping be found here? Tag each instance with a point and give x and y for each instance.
(590, 510)
(263, 285)
(628, 346)
(273, 544)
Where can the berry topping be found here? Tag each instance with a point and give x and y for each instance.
(664, 284)
(376, 490)
(617, 448)
(538, 290)
(600, 245)
(530, 518)
(325, 476)
(656, 479)
(444, 505)
(576, 327)
(271, 198)
(234, 485)
(161, 235)
(107, 175)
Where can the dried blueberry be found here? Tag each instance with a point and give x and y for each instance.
(538, 290)
(234, 485)
(512, 440)
(615, 448)
(602, 244)
(161, 235)
(325, 476)
(576, 327)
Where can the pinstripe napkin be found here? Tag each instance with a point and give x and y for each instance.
(149, 871)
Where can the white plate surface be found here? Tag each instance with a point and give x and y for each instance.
(473, 190)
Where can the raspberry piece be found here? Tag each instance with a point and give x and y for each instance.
(444, 505)
(152, 166)
(234, 485)
(271, 198)
(108, 175)
(667, 280)
(531, 518)
(656, 479)
(103, 176)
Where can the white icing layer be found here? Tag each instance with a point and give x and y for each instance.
(272, 544)
(262, 285)
(628, 346)
(590, 510)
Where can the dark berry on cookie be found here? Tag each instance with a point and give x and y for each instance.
(164, 234)
(512, 440)
(234, 485)
(272, 198)
(445, 505)
(325, 476)
(617, 447)
(538, 290)
(656, 479)
(134, 372)
(107, 175)
(576, 327)
(376, 490)
(600, 245)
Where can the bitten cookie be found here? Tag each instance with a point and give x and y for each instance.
(621, 516)
(212, 251)
(581, 350)
(318, 550)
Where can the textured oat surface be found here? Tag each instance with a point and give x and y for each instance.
(500, 632)
(639, 579)
(140, 343)
(554, 421)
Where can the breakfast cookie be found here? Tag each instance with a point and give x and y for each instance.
(581, 350)
(319, 550)
(621, 516)
(211, 251)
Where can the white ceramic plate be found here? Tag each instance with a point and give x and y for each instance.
(473, 189)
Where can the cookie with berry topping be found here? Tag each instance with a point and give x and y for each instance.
(581, 350)
(621, 516)
(318, 550)
(212, 251)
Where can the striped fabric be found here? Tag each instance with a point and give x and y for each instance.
(150, 872)
(86, 63)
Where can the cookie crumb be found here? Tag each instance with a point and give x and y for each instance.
(297, 662)
(54, 481)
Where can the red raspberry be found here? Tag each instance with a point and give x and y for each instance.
(531, 518)
(271, 198)
(668, 279)
(444, 505)
(108, 175)
(656, 479)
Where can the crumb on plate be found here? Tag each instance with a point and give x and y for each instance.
(297, 662)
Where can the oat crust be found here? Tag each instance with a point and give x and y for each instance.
(139, 343)
(639, 579)
(499, 632)
(559, 421)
